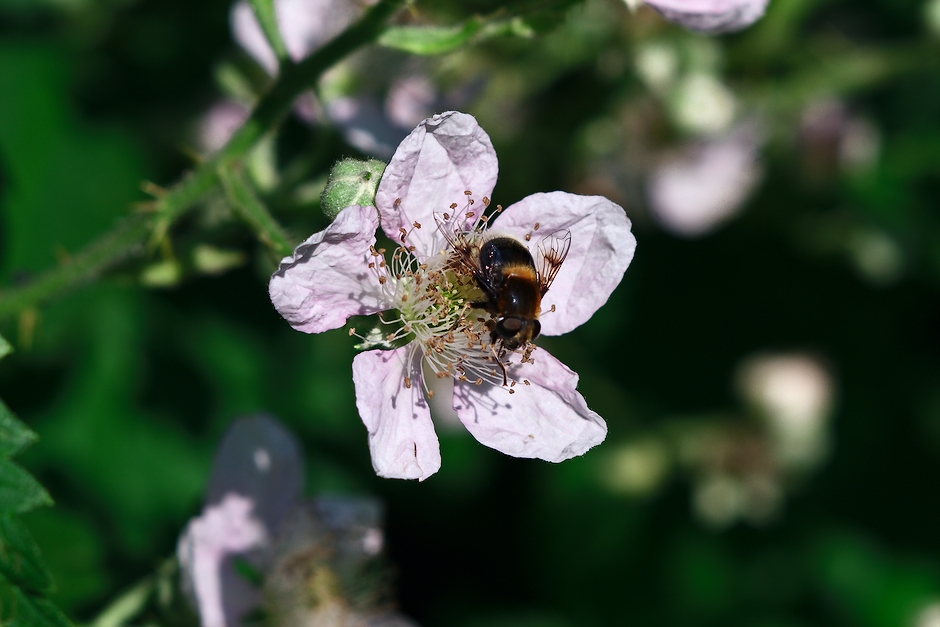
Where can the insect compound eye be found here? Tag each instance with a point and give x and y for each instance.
(509, 327)
(536, 328)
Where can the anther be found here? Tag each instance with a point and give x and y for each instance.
(352, 331)
(408, 382)
(536, 227)
(417, 225)
(430, 393)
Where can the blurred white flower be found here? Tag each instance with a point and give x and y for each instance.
(710, 16)
(718, 500)
(877, 256)
(833, 137)
(929, 616)
(932, 16)
(657, 65)
(638, 467)
(692, 194)
(794, 394)
(701, 104)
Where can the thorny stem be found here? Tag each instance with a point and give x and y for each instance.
(252, 211)
(129, 237)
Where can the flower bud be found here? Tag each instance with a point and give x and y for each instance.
(351, 182)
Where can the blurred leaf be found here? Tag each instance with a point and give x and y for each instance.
(143, 467)
(14, 435)
(19, 492)
(5, 348)
(429, 40)
(64, 183)
(35, 611)
(20, 560)
(73, 552)
(875, 589)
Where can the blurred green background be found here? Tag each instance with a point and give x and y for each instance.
(709, 504)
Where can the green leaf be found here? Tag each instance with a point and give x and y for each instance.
(19, 492)
(5, 348)
(33, 611)
(429, 40)
(20, 559)
(14, 435)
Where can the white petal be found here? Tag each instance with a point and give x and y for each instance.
(260, 460)
(711, 16)
(547, 419)
(442, 158)
(401, 435)
(602, 247)
(328, 279)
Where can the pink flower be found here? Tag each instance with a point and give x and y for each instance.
(711, 16)
(447, 166)
(257, 478)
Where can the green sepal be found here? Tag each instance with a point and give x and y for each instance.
(351, 182)
(19, 492)
(35, 611)
(20, 559)
(430, 40)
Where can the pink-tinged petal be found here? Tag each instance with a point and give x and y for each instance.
(546, 419)
(401, 435)
(442, 158)
(205, 552)
(711, 16)
(706, 185)
(328, 278)
(602, 247)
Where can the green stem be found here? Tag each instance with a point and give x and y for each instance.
(267, 18)
(128, 239)
(251, 210)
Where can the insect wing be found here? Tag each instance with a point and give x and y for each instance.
(464, 248)
(552, 249)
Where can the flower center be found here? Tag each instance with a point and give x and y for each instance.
(433, 302)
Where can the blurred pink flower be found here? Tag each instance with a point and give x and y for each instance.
(693, 193)
(711, 16)
(256, 480)
(366, 123)
(305, 25)
(448, 162)
(218, 124)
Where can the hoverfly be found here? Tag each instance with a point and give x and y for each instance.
(512, 281)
